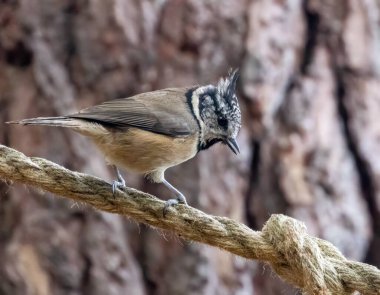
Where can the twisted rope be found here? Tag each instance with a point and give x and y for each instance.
(312, 264)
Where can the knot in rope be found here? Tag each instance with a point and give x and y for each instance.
(303, 261)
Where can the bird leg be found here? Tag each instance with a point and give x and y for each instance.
(120, 182)
(179, 200)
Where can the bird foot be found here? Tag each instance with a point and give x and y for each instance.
(171, 202)
(118, 184)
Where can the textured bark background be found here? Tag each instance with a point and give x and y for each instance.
(310, 93)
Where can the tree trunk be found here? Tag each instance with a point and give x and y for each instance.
(310, 72)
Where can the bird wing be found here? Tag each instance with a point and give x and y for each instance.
(164, 111)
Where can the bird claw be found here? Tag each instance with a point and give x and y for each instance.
(171, 202)
(117, 185)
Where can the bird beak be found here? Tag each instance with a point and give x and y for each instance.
(232, 144)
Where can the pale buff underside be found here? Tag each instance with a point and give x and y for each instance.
(141, 151)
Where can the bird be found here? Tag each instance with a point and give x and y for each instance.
(150, 132)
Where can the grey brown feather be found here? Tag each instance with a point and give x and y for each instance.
(161, 111)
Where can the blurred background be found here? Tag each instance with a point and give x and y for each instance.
(310, 95)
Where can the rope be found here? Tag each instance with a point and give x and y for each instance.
(313, 265)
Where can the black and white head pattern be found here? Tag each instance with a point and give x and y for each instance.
(219, 110)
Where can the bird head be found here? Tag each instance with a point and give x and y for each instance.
(220, 113)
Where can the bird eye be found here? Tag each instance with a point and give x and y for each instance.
(223, 122)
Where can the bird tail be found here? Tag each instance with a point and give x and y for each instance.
(82, 126)
(48, 121)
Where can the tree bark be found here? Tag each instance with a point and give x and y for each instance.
(308, 89)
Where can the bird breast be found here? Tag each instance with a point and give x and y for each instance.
(144, 152)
